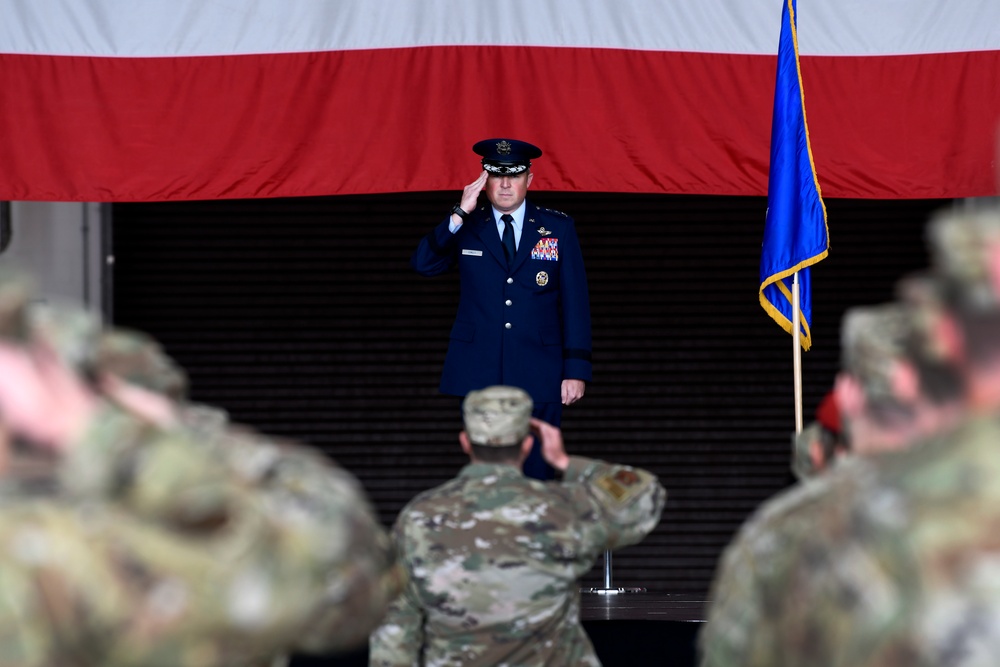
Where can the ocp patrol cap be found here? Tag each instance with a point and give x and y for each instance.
(506, 157)
(873, 340)
(965, 253)
(138, 358)
(79, 339)
(68, 330)
(926, 295)
(497, 416)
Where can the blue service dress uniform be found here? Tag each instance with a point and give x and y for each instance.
(525, 326)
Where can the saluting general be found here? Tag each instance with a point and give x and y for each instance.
(524, 312)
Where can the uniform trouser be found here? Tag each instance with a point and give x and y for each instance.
(535, 465)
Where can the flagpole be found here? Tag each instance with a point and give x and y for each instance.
(796, 352)
(795, 231)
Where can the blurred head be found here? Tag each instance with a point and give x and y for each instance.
(139, 359)
(965, 253)
(45, 403)
(126, 366)
(78, 337)
(70, 332)
(965, 249)
(892, 389)
(55, 360)
(497, 423)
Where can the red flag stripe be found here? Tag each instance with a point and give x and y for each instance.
(389, 120)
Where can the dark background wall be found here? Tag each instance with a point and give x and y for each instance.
(303, 318)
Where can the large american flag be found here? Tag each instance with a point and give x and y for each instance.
(125, 100)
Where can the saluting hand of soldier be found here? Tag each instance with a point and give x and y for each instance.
(140, 402)
(553, 450)
(41, 398)
(470, 195)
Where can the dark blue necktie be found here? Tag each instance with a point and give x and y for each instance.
(508, 237)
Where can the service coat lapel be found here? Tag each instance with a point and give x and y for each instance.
(529, 237)
(486, 229)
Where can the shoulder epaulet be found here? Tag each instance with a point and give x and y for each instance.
(553, 211)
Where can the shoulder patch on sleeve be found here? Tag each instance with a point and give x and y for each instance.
(621, 485)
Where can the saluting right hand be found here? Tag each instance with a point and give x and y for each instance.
(139, 401)
(553, 450)
(470, 195)
(41, 398)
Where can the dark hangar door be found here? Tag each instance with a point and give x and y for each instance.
(303, 318)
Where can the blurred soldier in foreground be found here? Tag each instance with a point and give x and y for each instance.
(889, 378)
(896, 388)
(494, 557)
(126, 541)
(364, 573)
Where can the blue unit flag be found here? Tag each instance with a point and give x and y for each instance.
(795, 231)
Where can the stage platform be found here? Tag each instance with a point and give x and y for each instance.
(627, 630)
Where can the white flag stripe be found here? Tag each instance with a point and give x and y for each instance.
(167, 28)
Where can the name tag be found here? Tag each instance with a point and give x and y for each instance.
(474, 253)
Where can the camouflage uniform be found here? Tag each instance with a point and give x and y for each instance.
(179, 546)
(299, 482)
(363, 574)
(494, 557)
(755, 591)
(891, 561)
(149, 552)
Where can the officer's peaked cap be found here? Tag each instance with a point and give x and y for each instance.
(506, 157)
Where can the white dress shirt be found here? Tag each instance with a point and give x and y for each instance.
(517, 224)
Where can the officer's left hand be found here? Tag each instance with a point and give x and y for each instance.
(572, 391)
